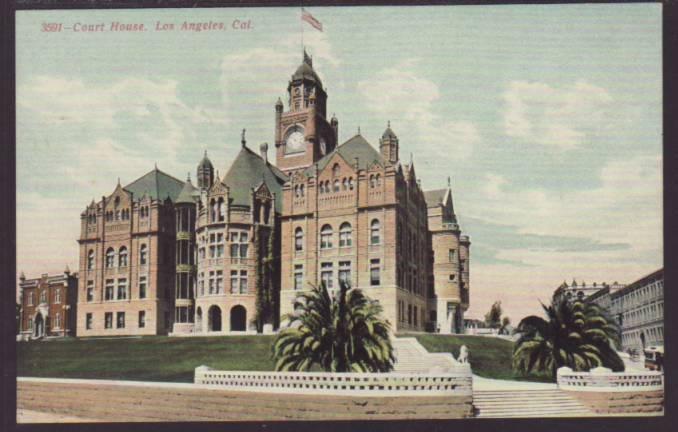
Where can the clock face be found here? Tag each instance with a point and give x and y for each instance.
(323, 146)
(295, 142)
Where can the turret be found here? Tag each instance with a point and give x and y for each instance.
(388, 145)
(205, 173)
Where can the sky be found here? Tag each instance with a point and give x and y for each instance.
(547, 118)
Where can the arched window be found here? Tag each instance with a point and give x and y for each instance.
(222, 210)
(336, 186)
(296, 191)
(213, 210)
(344, 184)
(298, 239)
(345, 235)
(375, 232)
(335, 170)
(90, 260)
(110, 258)
(372, 182)
(301, 190)
(321, 187)
(350, 183)
(122, 257)
(378, 180)
(326, 237)
(143, 255)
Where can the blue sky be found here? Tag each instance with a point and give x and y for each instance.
(547, 118)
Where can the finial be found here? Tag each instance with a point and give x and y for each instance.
(388, 123)
(205, 155)
(358, 130)
(411, 158)
(118, 181)
(242, 138)
(188, 177)
(449, 182)
(22, 276)
(67, 270)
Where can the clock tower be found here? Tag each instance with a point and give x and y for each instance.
(302, 133)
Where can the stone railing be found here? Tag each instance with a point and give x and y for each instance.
(604, 380)
(347, 384)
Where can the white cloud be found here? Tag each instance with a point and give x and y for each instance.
(401, 94)
(626, 208)
(563, 118)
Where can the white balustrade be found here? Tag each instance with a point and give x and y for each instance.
(347, 384)
(604, 380)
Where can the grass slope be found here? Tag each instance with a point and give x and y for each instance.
(490, 357)
(152, 358)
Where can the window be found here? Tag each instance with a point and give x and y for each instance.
(88, 321)
(29, 299)
(57, 296)
(220, 282)
(142, 319)
(238, 282)
(409, 314)
(452, 276)
(238, 244)
(451, 255)
(108, 320)
(345, 234)
(298, 276)
(243, 281)
(326, 274)
(345, 271)
(211, 283)
(335, 170)
(90, 260)
(234, 281)
(142, 287)
(122, 289)
(90, 291)
(326, 237)
(201, 283)
(414, 315)
(372, 182)
(30, 323)
(110, 258)
(43, 296)
(375, 232)
(57, 320)
(298, 239)
(120, 320)
(217, 246)
(143, 255)
(109, 290)
(335, 186)
(375, 272)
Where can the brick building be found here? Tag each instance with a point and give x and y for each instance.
(323, 212)
(48, 305)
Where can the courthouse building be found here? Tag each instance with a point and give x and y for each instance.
(161, 255)
(48, 305)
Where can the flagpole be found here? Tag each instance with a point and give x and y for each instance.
(301, 23)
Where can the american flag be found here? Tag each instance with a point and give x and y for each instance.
(305, 16)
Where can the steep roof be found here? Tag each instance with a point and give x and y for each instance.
(435, 197)
(157, 185)
(356, 147)
(246, 172)
(187, 193)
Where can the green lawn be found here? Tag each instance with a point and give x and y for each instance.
(490, 357)
(161, 358)
(151, 358)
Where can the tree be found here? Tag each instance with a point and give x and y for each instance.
(576, 334)
(505, 322)
(341, 333)
(493, 317)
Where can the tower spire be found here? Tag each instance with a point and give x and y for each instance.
(242, 138)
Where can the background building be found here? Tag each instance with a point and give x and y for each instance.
(639, 309)
(582, 291)
(48, 305)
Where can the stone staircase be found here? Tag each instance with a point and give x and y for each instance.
(527, 403)
(412, 357)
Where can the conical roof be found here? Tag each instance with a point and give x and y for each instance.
(187, 193)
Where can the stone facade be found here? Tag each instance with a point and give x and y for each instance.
(48, 305)
(216, 253)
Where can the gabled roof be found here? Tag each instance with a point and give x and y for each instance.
(356, 147)
(246, 172)
(157, 185)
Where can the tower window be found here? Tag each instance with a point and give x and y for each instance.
(326, 237)
(345, 235)
(298, 239)
(375, 232)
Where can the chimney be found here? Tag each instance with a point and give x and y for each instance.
(263, 151)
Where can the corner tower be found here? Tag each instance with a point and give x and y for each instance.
(388, 145)
(302, 133)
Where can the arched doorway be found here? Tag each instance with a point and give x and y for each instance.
(198, 319)
(238, 318)
(39, 326)
(214, 318)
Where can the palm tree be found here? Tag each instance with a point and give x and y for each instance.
(579, 335)
(342, 333)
